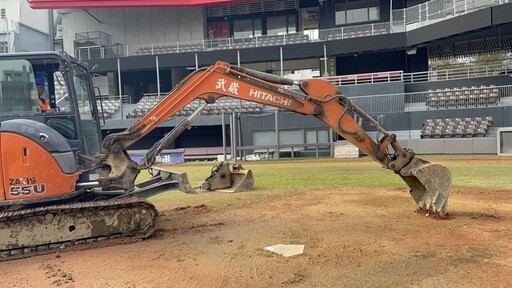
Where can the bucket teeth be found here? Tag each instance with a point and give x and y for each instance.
(429, 184)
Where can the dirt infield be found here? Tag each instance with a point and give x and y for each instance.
(353, 237)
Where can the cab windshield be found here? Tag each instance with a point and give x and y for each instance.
(18, 93)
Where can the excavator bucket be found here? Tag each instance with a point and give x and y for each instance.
(430, 184)
(224, 180)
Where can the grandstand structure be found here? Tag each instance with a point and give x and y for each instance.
(377, 51)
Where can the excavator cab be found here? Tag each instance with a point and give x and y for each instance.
(27, 79)
(40, 145)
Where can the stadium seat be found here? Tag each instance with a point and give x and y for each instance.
(472, 99)
(443, 101)
(447, 132)
(479, 132)
(437, 133)
(458, 133)
(483, 126)
(492, 98)
(469, 132)
(426, 133)
(432, 101)
(452, 100)
(428, 122)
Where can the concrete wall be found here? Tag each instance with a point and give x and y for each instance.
(452, 146)
(36, 19)
(29, 40)
(136, 26)
(373, 89)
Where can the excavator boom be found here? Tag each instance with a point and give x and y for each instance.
(429, 183)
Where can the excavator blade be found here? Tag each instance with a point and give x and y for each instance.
(224, 180)
(162, 174)
(430, 184)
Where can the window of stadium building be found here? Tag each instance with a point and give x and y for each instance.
(281, 25)
(348, 12)
(246, 28)
(4, 47)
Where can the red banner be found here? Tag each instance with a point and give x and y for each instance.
(68, 4)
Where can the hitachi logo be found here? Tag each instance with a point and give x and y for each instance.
(270, 98)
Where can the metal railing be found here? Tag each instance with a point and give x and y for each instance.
(435, 10)
(455, 98)
(365, 78)
(458, 73)
(126, 99)
(311, 35)
(433, 75)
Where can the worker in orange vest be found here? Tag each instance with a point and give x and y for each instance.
(44, 104)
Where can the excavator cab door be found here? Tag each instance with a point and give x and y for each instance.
(86, 110)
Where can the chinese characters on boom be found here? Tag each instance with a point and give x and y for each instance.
(232, 87)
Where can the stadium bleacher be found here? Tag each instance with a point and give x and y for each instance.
(233, 43)
(456, 127)
(463, 97)
(107, 108)
(222, 105)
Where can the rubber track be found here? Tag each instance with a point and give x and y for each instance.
(111, 204)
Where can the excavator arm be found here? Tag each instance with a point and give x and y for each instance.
(429, 183)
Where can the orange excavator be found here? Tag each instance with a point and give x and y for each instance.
(62, 186)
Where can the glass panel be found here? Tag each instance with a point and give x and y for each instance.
(263, 138)
(61, 93)
(291, 24)
(340, 17)
(18, 93)
(358, 11)
(257, 27)
(247, 28)
(374, 13)
(323, 136)
(276, 25)
(242, 28)
(309, 18)
(82, 93)
(357, 15)
(291, 137)
(218, 29)
(88, 122)
(311, 137)
(4, 47)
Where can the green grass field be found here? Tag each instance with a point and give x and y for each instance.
(281, 177)
(484, 173)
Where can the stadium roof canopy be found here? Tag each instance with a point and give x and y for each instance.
(69, 4)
